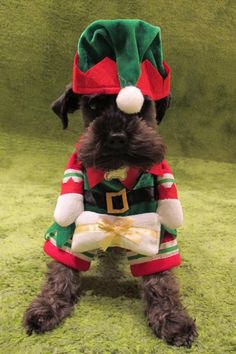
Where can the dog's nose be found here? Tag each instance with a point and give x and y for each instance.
(116, 140)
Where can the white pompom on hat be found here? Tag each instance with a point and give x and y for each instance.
(130, 100)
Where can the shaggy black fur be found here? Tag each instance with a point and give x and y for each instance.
(58, 296)
(165, 313)
(113, 139)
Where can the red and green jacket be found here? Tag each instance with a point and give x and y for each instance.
(153, 190)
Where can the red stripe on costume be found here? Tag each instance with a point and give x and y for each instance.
(72, 187)
(167, 237)
(165, 167)
(167, 193)
(156, 170)
(155, 266)
(160, 169)
(132, 177)
(95, 176)
(66, 258)
(74, 163)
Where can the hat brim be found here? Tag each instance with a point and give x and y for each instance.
(102, 78)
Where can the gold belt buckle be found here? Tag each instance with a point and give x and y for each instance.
(110, 208)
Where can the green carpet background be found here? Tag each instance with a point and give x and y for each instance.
(38, 42)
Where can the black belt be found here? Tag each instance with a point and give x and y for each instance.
(119, 202)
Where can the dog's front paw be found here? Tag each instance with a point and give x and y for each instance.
(178, 328)
(39, 317)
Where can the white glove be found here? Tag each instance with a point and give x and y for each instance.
(69, 207)
(170, 213)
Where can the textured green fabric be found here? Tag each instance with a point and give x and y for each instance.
(145, 180)
(60, 234)
(164, 180)
(173, 232)
(128, 42)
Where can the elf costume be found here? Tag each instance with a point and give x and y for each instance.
(131, 208)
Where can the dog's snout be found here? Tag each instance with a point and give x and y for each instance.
(116, 140)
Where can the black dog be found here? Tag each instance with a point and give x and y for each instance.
(111, 140)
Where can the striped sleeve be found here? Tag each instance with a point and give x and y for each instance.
(70, 202)
(166, 184)
(169, 207)
(73, 176)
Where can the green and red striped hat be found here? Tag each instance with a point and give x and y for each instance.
(121, 57)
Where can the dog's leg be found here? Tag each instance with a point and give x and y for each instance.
(56, 301)
(165, 313)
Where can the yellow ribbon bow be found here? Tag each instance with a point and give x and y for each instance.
(120, 228)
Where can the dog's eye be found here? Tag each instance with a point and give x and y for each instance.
(140, 115)
(92, 106)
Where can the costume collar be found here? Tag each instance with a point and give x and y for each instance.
(156, 169)
(96, 176)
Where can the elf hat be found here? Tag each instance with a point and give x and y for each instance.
(121, 57)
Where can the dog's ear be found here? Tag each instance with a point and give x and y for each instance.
(68, 102)
(161, 107)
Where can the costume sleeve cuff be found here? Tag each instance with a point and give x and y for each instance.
(69, 207)
(170, 213)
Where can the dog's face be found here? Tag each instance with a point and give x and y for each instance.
(113, 139)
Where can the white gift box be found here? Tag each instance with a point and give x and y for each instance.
(138, 233)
